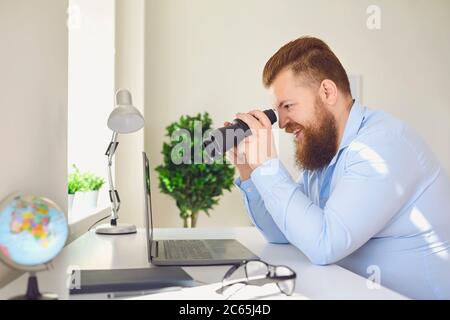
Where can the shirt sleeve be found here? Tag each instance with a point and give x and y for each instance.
(378, 180)
(258, 212)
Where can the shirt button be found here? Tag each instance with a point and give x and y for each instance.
(249, 189)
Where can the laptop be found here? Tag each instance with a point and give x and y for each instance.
(188, 252)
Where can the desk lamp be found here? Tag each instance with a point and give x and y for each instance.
(125, 118)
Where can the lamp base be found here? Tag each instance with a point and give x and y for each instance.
(108, 229)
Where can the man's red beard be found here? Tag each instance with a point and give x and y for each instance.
(318, 144)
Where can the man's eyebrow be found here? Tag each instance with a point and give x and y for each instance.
(281, 103)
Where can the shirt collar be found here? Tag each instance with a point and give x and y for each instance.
(354, 123)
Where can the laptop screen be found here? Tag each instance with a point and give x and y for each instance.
(147, 206)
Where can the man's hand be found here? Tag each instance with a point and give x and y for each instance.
(259, 147)
(238, 159)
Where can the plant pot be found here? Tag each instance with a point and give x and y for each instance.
(91, 198)
(70, 203)
(85, 200)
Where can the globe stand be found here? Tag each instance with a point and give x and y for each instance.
(33, 291)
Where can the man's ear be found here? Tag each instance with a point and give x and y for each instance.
(328, 92)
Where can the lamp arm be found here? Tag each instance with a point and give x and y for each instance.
(113, 194)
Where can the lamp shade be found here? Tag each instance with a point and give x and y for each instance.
(125, 118)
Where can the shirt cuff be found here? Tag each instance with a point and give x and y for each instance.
(269, 174)
(248, 188)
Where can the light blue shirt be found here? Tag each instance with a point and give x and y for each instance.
(381, 208)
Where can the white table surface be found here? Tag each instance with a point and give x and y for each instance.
(92, 251)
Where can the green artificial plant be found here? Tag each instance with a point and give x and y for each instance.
(195, 186)
(92, 182)
(75, 182)
(83, 181)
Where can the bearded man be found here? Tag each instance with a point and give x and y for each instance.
(370, 193)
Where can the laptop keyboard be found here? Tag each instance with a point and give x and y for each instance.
(186, 250)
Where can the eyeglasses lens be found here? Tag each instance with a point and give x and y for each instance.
(286, 286)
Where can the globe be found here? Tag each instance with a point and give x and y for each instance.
(33, 230)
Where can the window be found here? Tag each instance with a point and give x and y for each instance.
(91, 26)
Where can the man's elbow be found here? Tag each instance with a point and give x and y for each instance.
(320, 261)
(325, 251)
(321, 258)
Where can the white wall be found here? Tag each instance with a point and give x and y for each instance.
(130, 70)
(33, 100)
(207, 55)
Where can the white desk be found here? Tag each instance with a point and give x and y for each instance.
(92, 251)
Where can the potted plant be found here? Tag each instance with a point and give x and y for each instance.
(83, 189)
(195, 187)
(73, 185)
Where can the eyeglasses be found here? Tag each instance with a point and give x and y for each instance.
(258, 273)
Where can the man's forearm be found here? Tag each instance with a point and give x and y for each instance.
(258, 213)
